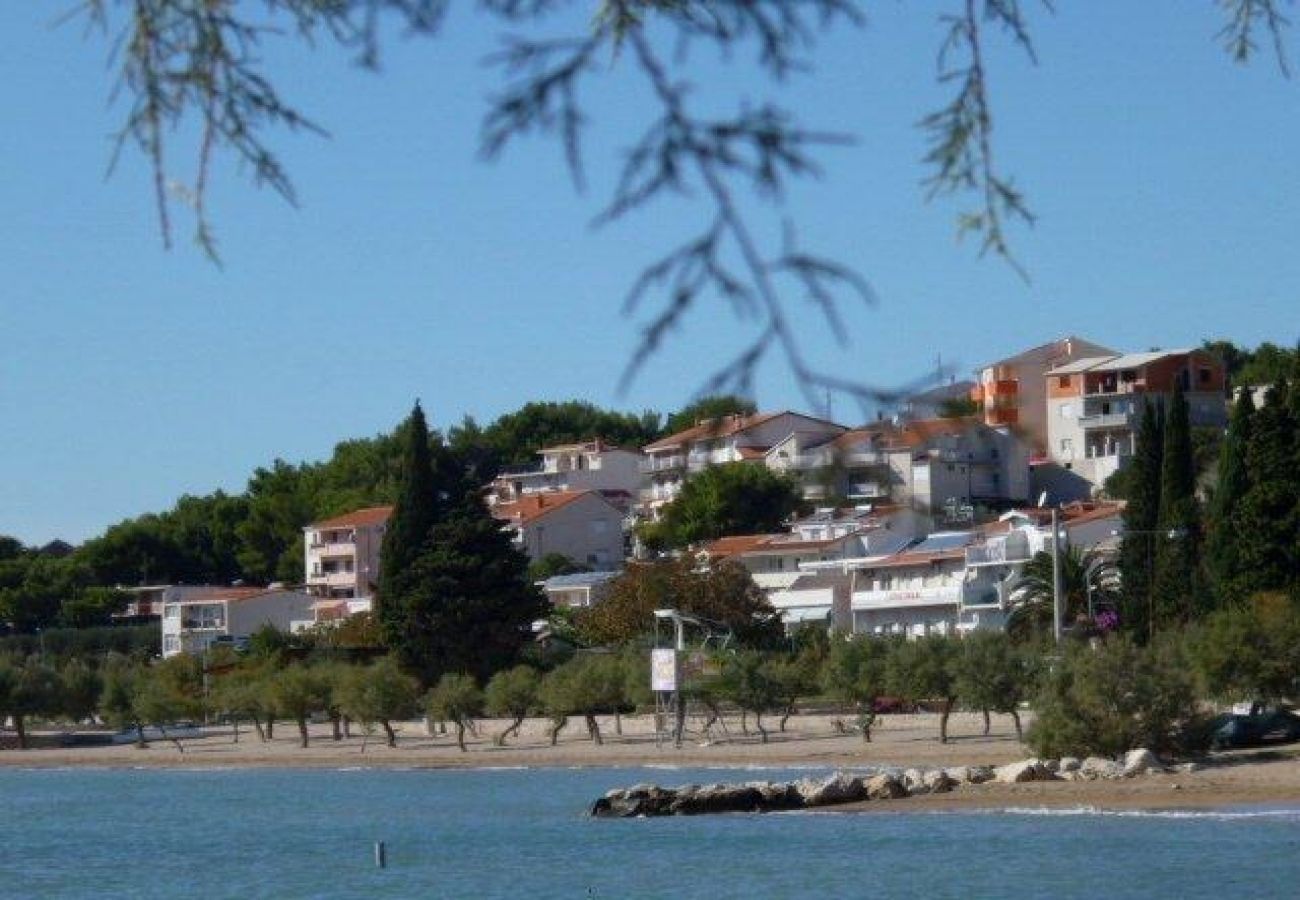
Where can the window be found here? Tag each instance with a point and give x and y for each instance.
(1067, 446)
(1063, 381)
(599, 526)
(1203, 375)
(1067, 410)
(171, 643)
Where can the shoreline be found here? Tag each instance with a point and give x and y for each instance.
(1241, 779)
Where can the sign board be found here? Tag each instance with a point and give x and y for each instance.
(663, 670)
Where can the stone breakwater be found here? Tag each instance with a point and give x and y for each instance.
(841, 787)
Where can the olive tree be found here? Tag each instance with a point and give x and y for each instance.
(854, 673)
(993, 674)
(923, 670)
(512, 694)
(456, 698)
(378, 694)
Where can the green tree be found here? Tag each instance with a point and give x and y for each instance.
(466, 601)
(1223, 560)
(297, 691)
(1177, 582)
(1083, 573)
(992, 674)
(724, 594)
(708, 410)
(1141, 516)
(456, 698)
(513, 694)
(28, 688)
(924, 670)
(117, 704)
(1248, 652)
(1266, 517)
(1116, 698)
(728, 499)
(379, 694)
(79, 690)
(584, 686)
(855, 673)
(515, 438)
(748, 682)
(280, 503)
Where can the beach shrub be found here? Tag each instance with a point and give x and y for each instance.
(924, 670)
(1248, 653)
(748, 680)
(456, 698)
(377, 694)
(993, 675)
(855, 673)
(1115, 698)
(512, 694)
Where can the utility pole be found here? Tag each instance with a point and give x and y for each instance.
(1058, 613)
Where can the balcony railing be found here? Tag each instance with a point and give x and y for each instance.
(662, 463)
(866, 490)
(1108, 420)
(996, 552)
(887, 599)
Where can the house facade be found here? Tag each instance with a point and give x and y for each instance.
(582, 525)
(341, 554)
(586, 466)
(195, 621)
(940, 466)
(581, 590)
(1095, 404)
(1012, 392)
(668, 462)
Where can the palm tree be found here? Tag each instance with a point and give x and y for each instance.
(1031, 597)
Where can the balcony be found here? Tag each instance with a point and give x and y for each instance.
(663, 463)
(866, 490)
(996, 553)
(865, 458)
(332, 579)
(1108, 420)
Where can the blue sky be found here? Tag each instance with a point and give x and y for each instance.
(1164, 178)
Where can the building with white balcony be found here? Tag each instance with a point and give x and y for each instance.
(194, 621)
(668, 462)
(147, 600)
(935, 465)
(1095, 404)
(586, 466)
(585, 526)
(949, 583)
(342, 554)
(580, 590)
(1011, 392)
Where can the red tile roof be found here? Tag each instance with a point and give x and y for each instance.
(739, 545)
(725, 427)
(531, 507)
(358, 518)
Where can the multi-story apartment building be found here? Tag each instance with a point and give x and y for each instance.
(1095, 404)
(1012, 392)
(586, 466)
(669, 461)
(196, 620)
(342, 554)
(936, 465)
(582, 525)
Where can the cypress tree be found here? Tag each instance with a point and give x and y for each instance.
(1141, 516)
(1265, 539)
(1177, 583)
(409, 526)
(1222, 557)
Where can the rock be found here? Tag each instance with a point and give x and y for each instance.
(1097, 767)
(1068, 764)
(1052, 765)
(914, 782)
(1025, 770)
(1140, 762)
(838, 788)
(937, 781)
(714, 798)
(779, 795)
(1188, 768)
(980, 774)
(884, 787)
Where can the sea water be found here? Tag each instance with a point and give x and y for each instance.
(524, 834)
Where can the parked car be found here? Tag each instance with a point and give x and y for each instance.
(1258, 728)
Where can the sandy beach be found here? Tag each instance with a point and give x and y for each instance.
(810, 741)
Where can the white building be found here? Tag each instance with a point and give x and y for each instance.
(935, 465)
(195, 621)
(582, 525)
(669, 461)
(342, 554)
(1095, 404)
(580, 590)
(586, 466)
